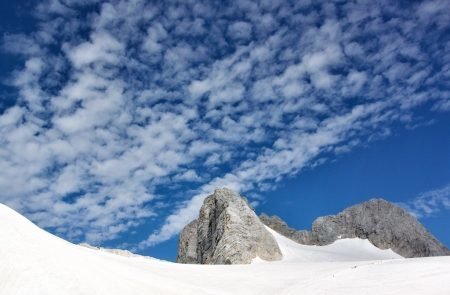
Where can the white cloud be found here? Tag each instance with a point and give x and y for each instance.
(240, 30)
(155, 34)
(189, 175)
(103, 47)
(429, 203)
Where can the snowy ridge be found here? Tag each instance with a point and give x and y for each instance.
(35, 262)
(120, 252)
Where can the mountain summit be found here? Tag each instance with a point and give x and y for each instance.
(227, 231)
(384, 224)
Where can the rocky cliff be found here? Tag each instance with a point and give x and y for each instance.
(384, 224)
(187, 244)
(227, 231)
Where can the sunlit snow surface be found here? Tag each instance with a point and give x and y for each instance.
(341, 250)
(33, 261)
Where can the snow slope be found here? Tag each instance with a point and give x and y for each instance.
(341, 250)
(33, 261)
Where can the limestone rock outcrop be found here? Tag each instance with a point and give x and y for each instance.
(227, 231)
(384, 224)
(187, 244)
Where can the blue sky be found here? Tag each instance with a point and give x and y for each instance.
(119, 117)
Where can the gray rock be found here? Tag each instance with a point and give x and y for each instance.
(384, 224)
(228, 232)
(277, 224)
(187, 244)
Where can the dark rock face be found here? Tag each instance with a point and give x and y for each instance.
(226, 232)
(187, 244)
(384, 224)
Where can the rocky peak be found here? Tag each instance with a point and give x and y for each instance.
(384, 224)
(227, 231)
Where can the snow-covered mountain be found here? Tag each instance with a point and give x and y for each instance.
(33, 261)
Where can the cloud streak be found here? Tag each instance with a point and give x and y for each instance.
(429, 203)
